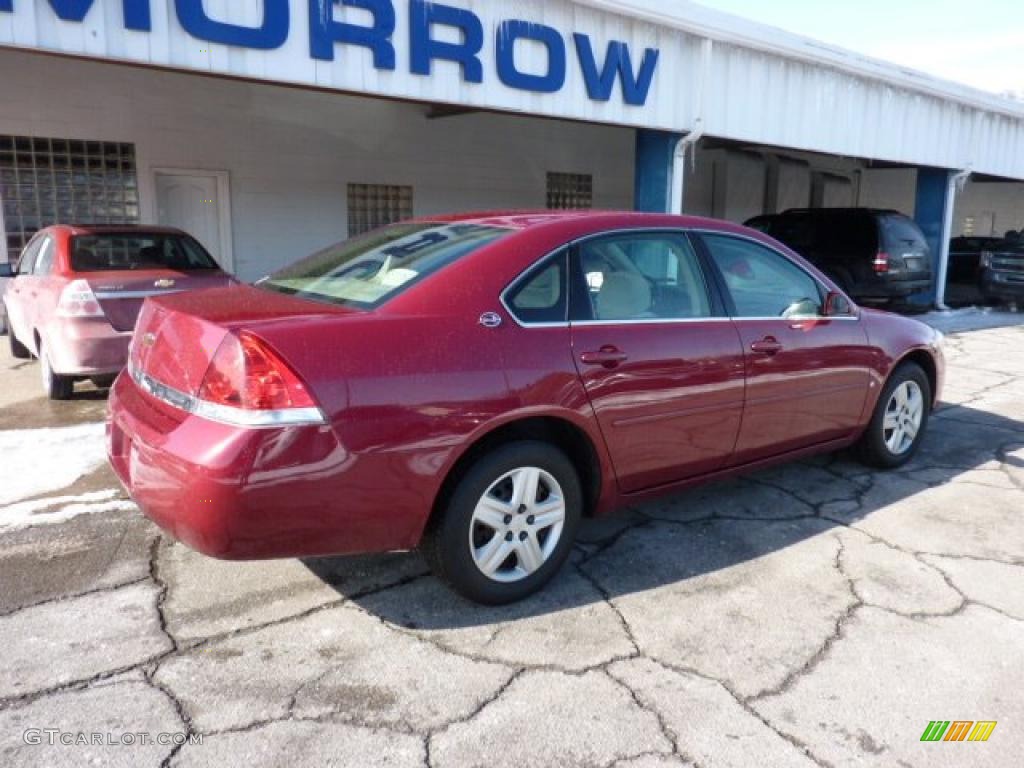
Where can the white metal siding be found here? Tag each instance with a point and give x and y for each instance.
(34, 25)
(291, 153)
(764, 86)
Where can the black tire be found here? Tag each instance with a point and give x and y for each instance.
(446, 543)
(55, 386)
(18, 350)
(873, 448)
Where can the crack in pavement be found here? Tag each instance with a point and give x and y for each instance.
(860, 484)
(76, 595)
(744, 703)
(433, 733)
(794, 675)
(667, 731)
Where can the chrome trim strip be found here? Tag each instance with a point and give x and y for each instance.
(225, 414)
(651, 321)
(690, 320)
(103, 295)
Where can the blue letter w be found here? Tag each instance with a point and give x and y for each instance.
(635, 87)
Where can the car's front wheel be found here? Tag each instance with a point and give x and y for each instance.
(55, 386)
(900, 419)
(508, 525)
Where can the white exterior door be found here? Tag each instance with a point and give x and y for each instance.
(198, 203)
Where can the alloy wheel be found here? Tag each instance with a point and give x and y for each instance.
(517, 524)
(903, 416)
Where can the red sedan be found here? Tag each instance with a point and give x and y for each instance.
(475, 385)
(77, 291)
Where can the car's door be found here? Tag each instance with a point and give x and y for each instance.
(661, 363)
(19, 294)
(807, 374)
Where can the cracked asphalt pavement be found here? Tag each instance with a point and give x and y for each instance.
(814, 614)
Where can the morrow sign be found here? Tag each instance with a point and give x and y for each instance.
(435, 32)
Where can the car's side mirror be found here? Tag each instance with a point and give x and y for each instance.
(837, 305)
(6, 270)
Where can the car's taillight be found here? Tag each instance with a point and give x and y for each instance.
(245, 373)
(78, 300)
(881, 263)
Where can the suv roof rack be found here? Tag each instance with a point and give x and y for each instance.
(845, 209)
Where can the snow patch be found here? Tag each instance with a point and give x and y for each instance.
(38, 461)
(971, 319)
(28, 514)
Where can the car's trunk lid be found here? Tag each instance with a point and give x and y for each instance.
(177, 336)
(121, 294)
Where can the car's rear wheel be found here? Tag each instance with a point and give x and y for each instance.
(900, 419)
(508, 525)
(55, 386)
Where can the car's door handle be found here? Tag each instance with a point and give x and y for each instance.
(609, 357)
(767, 346)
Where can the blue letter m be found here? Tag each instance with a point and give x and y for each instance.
(635, 87)
(136, 12)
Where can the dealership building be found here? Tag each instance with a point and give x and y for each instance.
(271, 128)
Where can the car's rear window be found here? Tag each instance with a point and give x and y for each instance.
(794, 229)
(132, 250)
(901, 232)
(366, 271)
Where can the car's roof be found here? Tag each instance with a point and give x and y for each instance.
(530, 219)
(111, 229)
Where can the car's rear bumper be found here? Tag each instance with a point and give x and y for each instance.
(85, 347)
(892, 288)
(1003, 285)
(240, 493)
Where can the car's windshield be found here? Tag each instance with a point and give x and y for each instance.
(131, 250)
(366, 271)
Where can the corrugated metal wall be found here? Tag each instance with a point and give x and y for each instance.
(750, 92)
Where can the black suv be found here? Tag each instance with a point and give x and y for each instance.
(1002, 269)
(870, 254)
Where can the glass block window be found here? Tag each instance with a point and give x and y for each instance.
(376, 205)
(570, 191)
(67, 181)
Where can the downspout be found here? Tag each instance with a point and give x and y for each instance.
(678, 191)
(956, 184)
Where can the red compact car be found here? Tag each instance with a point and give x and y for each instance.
(475, 385)
(77, 291)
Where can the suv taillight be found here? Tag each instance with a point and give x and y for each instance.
(246, 374)
(881, 263)
(78, 300)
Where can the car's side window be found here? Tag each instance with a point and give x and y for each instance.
(28, 257)
(541, 296)
(762, 282)
(640, 276)
(44, 259)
